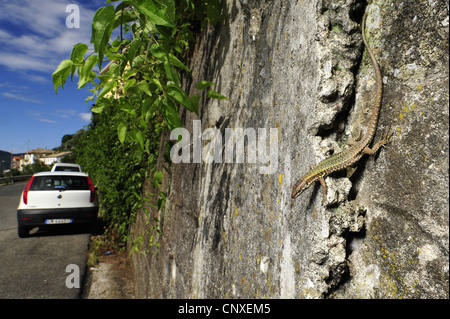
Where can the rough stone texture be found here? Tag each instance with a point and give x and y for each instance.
(229, 231)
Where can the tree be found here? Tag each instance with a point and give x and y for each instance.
(137, 94)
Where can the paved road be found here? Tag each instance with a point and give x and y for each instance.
(35, 267)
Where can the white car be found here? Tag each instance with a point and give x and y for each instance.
(66, 167)
(53, 198)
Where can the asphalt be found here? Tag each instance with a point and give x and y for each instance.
(37, 267)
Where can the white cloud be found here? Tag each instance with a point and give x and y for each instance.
(5, 36)
(9, 85)
(21, 98)
(46, 18)
(85, 116)
(63, 43)
(38, 78)
(36, 34)
(40, 116)
(24, 62)
(46, 121)
(64, 114)
(41, 17)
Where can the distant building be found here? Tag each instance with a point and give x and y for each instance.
(54, 158)
(5, 161)
(19, 161)
(35, 155)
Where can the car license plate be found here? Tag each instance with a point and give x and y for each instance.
(58, 221)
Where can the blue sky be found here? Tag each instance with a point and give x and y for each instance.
(34, 39)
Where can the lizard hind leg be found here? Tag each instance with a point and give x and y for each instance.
(385, 139)
(386, 136)
(355, 139)
(324, 189)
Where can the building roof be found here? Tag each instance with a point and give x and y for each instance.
(56, 155)
(41, 151)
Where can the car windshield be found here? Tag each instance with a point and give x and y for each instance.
(42, 183)
(66, 169)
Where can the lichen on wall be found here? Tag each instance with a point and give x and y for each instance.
(295, 72)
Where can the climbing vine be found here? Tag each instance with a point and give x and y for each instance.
(138, 47)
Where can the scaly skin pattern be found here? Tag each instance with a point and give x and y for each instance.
(358, 148)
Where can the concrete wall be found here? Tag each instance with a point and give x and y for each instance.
(229, 231)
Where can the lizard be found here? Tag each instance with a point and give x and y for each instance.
(358, 147)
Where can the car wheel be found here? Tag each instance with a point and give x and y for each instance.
(23, 231)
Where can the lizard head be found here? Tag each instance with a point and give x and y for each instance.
(299, 187)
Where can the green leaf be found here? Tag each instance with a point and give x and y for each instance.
(195, 101)
(61, 74)
(78, 52)
(158, 52)
(88, 65)
(102, 25)
(85, 72)
(157, 178)
(156, 81)
(161, 200)
(143, 86)
(213, 94)
(146, 104)
(140, 139)
(203, 84)
(179, 96)
(77, 56)
(125, 106)
(113, 56)
(129, 84)
(172, 73)
(151, 104)
(213, 8)
(137, 137)
(131, 52)
(138, 61)
(121, 132)
(170, 113)
(113, 71)
(107, 88)
(159, 12)
(175, 62)
(129, 73)
(97, 109)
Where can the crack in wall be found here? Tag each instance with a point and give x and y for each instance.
(340, 56)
